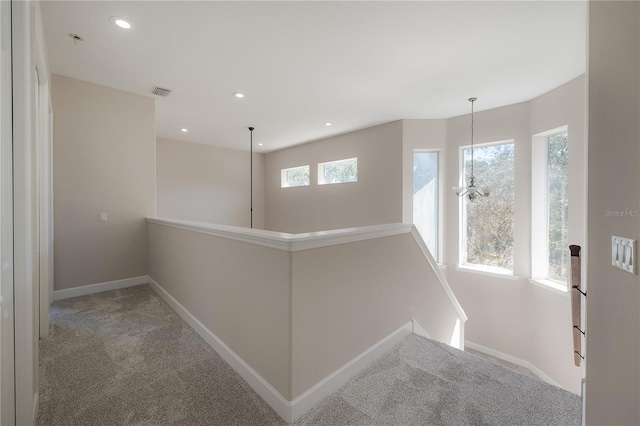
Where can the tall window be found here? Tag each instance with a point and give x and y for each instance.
(550, 206)
(558, 205)
(487, 223)
(426, 193)
(340, 171)
(295, 176)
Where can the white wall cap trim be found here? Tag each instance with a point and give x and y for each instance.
(284, 241)
(443, 281)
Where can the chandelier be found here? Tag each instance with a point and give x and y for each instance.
(472, 191)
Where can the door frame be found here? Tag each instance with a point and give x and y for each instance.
(24, 302)
(7, 323)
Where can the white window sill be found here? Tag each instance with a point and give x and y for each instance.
(486, 271)
(550, 285)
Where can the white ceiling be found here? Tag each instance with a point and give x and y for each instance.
(301, 64)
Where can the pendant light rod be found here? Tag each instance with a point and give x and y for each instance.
(472, 191)
(251, 173)
(472, 100)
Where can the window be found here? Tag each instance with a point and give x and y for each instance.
(426, 199)
(340, 171)
(487, 222)
(550, 206)
(295, 176)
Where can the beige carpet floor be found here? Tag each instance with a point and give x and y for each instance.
(124, 357)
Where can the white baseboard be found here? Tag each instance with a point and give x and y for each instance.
(417, 329)
(514, 360)
(290, 411)
(99, 287)
(267, 392)
(36, 406)
(335, 380)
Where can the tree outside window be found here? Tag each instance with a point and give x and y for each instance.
(558, 205)
(488, 221)
(340, 171)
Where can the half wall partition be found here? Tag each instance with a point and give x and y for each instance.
(296, 315)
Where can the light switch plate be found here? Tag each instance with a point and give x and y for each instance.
(103, 217)
(623, 253)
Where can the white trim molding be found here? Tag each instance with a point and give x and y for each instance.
(99, 287)
(551, 286)
(267, 392)
(311, 240)
(284, 241)
(514, 360)
(290, 411)
(489, 272)
(334, 381)
(417, 329)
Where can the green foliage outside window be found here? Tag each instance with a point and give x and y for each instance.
(298, 176)
(489, 220)
(341, 171)
(558, 205)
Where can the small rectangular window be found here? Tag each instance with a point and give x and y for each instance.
(340, 171)
(295, 176)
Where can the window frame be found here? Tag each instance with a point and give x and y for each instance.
(284, 177)
(462, 214)
(321, 179)
(439, 255)
(540, 210)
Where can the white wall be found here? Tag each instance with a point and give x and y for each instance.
(204, 183)
(104, 162)
(613, 303)
(375, 199)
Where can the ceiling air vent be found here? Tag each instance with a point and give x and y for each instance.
(160, 91)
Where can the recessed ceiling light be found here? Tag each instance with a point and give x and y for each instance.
(122, 23)
(184, 130)
(238, 94)
(259, 144)
(328, 124)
